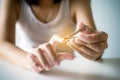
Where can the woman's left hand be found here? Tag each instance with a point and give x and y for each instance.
(90, 44)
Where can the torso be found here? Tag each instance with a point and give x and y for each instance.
(35, 30)
(43, 13)
(40, 12)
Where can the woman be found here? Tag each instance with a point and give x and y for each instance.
(38, 21)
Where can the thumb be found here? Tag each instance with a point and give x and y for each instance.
(85, 28)
(65, 56)
(55, 40)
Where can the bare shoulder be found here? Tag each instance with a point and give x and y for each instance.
(77, 2)
(11, 6)
(9, 15)
(76, 5)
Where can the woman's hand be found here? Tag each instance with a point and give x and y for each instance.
(44, 57)
(89, 43)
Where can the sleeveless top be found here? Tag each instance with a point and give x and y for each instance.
(31, 32)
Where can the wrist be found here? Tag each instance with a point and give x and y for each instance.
(26, 63)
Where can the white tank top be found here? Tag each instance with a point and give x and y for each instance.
(32, 32)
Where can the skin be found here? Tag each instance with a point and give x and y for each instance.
(89, 44)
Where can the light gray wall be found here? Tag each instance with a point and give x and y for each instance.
(107, 18)
(0, 3)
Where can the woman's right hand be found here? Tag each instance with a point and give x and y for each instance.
(44, 57)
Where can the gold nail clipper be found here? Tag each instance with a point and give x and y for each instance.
(72, 35)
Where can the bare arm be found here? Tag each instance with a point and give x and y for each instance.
(8, 51)
(82, 11)
(43, 57)
(90, 43)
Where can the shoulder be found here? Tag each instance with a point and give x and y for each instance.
(12, 6)
(77, 5)
(77, 2)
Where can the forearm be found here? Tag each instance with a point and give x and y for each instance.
(84, 14)
(11, 53)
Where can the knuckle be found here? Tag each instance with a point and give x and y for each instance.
(106, 45)
(99, 48)
(29, 56)
(88, 40)
(35, 50)
(55, 59)
(104, 34)
(88, 37)
(78, 41)
(94, 58)
(35, 63)
(94, 53)
(47, 45)
(44, 45)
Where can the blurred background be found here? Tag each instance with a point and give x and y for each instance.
(106, 14)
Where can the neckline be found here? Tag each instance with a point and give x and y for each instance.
(50, 22)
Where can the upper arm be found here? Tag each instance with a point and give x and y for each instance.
(82, 10)
(8, 17)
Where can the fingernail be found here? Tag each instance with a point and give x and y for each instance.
(47, 67)
(57, 63)
(32, 56)
(40, 68)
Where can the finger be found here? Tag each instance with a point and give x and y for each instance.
(85, 28)
(42, 59)
(55, 40)
(81, 52)
(85, 49)
(34, 69)
(98, 47)
(92, 38)
(90, 51)
(65, 56)
(35, 64)
(49, 54)
(80, 26)
(78, 41)
(52, 54)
